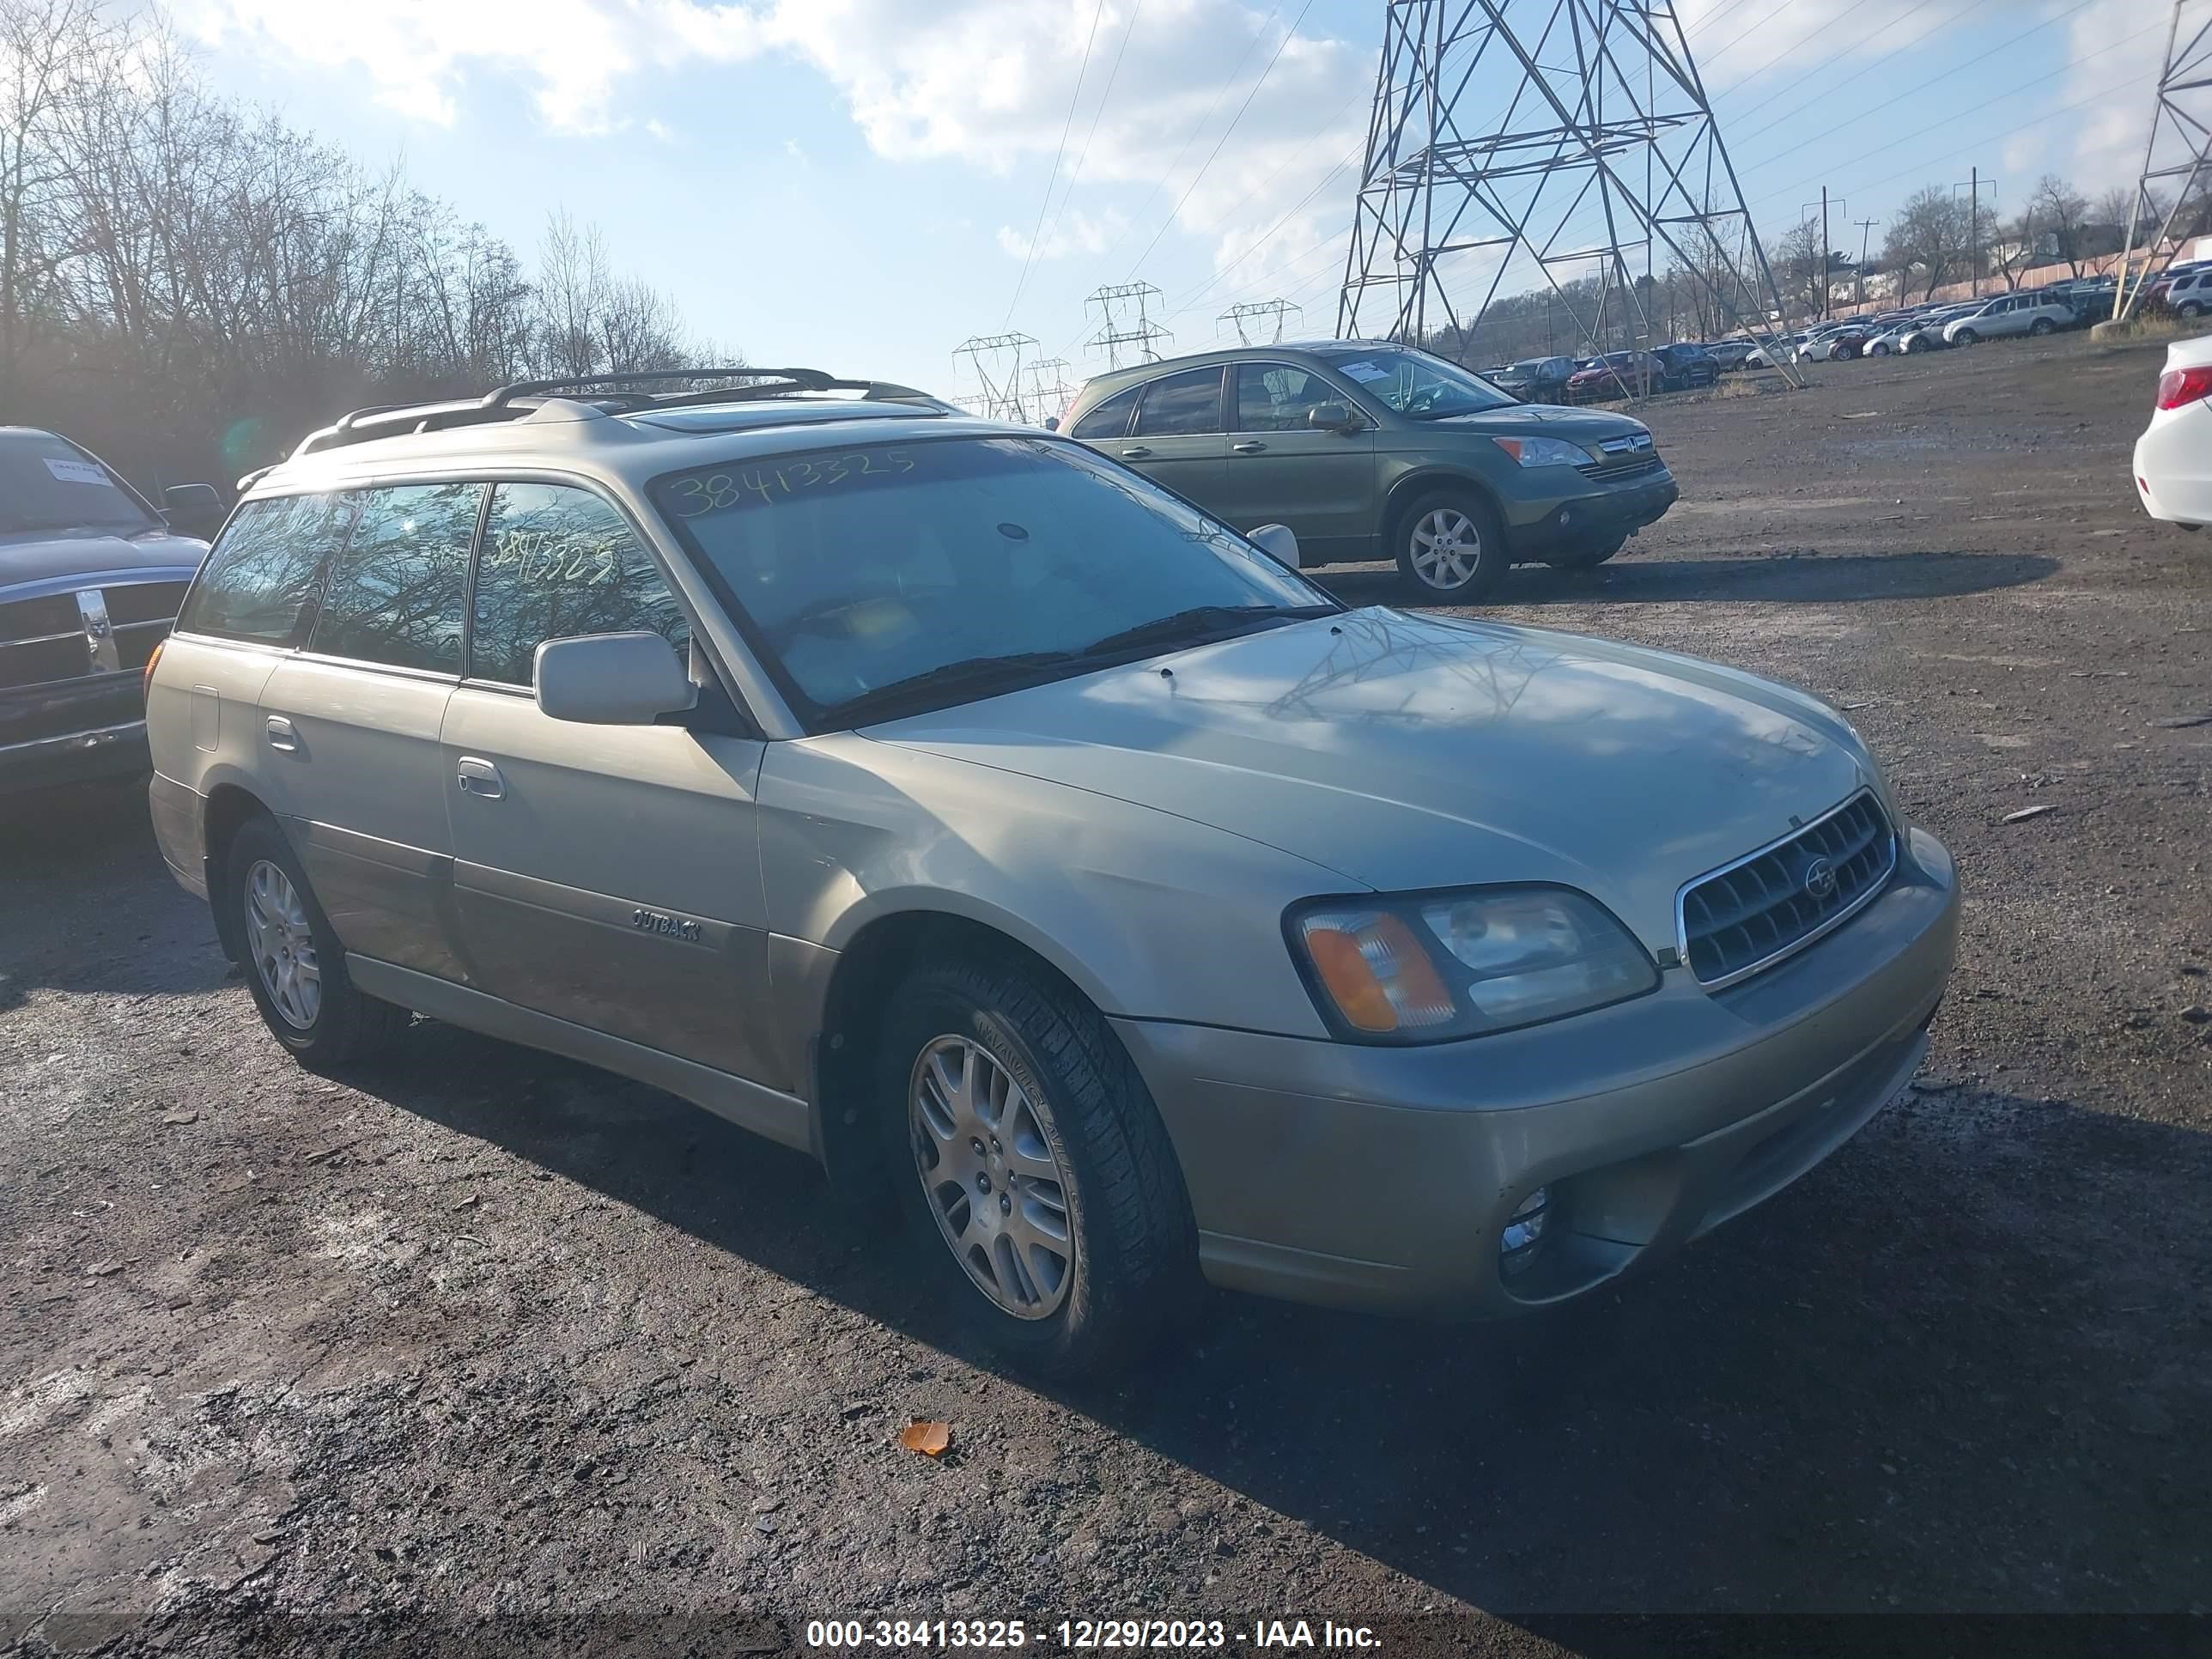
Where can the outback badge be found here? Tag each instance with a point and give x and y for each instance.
(657, 922)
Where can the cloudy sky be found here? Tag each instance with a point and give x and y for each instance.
(861, 185)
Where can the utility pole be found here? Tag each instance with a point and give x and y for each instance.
(1506, 128)
(2179, 147)
(1973, 187)
(1866, 232)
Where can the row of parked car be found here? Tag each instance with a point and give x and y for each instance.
(1683, 366)
(1935, 327)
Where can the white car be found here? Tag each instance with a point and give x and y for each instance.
(2190, 293)
(2015, 313)
(2173, 457)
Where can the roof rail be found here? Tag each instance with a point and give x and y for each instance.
(524, 398)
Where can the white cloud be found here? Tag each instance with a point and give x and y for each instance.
(986, 82)
(655, 128)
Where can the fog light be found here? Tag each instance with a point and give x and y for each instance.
(1524, 1231)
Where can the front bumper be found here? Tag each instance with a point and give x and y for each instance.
(1600, 511)
(72, 732)
(1383, 1178)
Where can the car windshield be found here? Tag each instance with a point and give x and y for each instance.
(1414, 384)
(46, 483)
(887, 578)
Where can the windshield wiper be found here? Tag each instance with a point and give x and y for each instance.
(966, 673)
(1197, 623)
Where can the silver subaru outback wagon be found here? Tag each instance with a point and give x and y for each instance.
(951, 803)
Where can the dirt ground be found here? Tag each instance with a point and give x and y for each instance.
(486, 1344)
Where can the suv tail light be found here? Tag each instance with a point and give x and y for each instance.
(2177, 387)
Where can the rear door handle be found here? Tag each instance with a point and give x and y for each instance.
(1135, 453)
(281, 738)
(480, 778)
(1246, 448)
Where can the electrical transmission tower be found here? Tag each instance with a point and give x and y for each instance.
(1049, 392)
(997, 361)
(1125, 321)
(1262, 317)
(2180, 148)
(1568, 142)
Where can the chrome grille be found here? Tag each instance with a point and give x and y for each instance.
(1748, 915)
(66, 636)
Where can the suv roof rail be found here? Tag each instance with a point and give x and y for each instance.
(614, 396)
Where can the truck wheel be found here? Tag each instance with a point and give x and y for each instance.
(1451, 548)
(1037, 1180)
(295, 965)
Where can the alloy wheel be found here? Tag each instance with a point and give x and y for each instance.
(1446, 548)
(994, 1184)
(284, 944)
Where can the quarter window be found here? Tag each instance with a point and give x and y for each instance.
(395, 594)
(558, 562)
(1277, 398)
(1110, 420)
(260, 577)
(1182, 405)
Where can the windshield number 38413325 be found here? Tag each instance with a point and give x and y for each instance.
(716, 492)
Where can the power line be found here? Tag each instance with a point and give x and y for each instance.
(1065, 127)
(1798, 45)
(1289, 36)
(1737, 40)
(1083, 154)
(1831, 87)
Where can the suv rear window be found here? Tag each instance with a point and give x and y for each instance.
(1182, 405)
(395, 594)
(559, 561)
(262, 575)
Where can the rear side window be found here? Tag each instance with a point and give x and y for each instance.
(558, 562)
(1110, 419)
(49, 484)
(261, 577)
(395, 594)
(1182, 405)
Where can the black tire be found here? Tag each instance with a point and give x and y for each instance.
(1490, 560)
(2188, 309)
(2042, 325)
(1877, 349)
(1588, 557)
(1965, 337)
(345, 1025)
(1132, 1272)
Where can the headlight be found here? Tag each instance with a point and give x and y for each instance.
(1544, 452)
(1431, 967)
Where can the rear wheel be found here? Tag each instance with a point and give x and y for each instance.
(295, 965)
(1038, 1180)
(1451, 548)
(2042, 325)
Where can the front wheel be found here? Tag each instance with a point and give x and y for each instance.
(1965, 337)
(295, 965)
(2187, 309)
(1451, 549)
(1038, 1179)
(1877, 349)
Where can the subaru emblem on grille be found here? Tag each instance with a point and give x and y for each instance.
(1820, 879)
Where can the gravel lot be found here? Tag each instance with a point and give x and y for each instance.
(483, 1335)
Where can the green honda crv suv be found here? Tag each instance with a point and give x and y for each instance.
(1368, 450)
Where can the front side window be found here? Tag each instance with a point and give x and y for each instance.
(1182, 405)
(1277, 398)
(49, 484)
(558, 562)
(395, 595)
(262, 575)
(887, 578)
(1416, 384)
(1110, 419)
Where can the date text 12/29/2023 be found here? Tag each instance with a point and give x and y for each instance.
(1081, 1634)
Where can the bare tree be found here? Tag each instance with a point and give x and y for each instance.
(1932, 238)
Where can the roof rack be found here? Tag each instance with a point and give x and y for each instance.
(613, 396)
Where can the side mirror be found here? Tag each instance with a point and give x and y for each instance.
(191, 506)
(1277, 542)
(1333, 417)
(612, 680)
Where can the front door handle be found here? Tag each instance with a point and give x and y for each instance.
(1246, 448)
(281, 738)
(480, 778)
(1135, 453)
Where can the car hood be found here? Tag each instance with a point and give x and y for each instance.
(32, 555)
(1406, 751)
(1554, 420)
